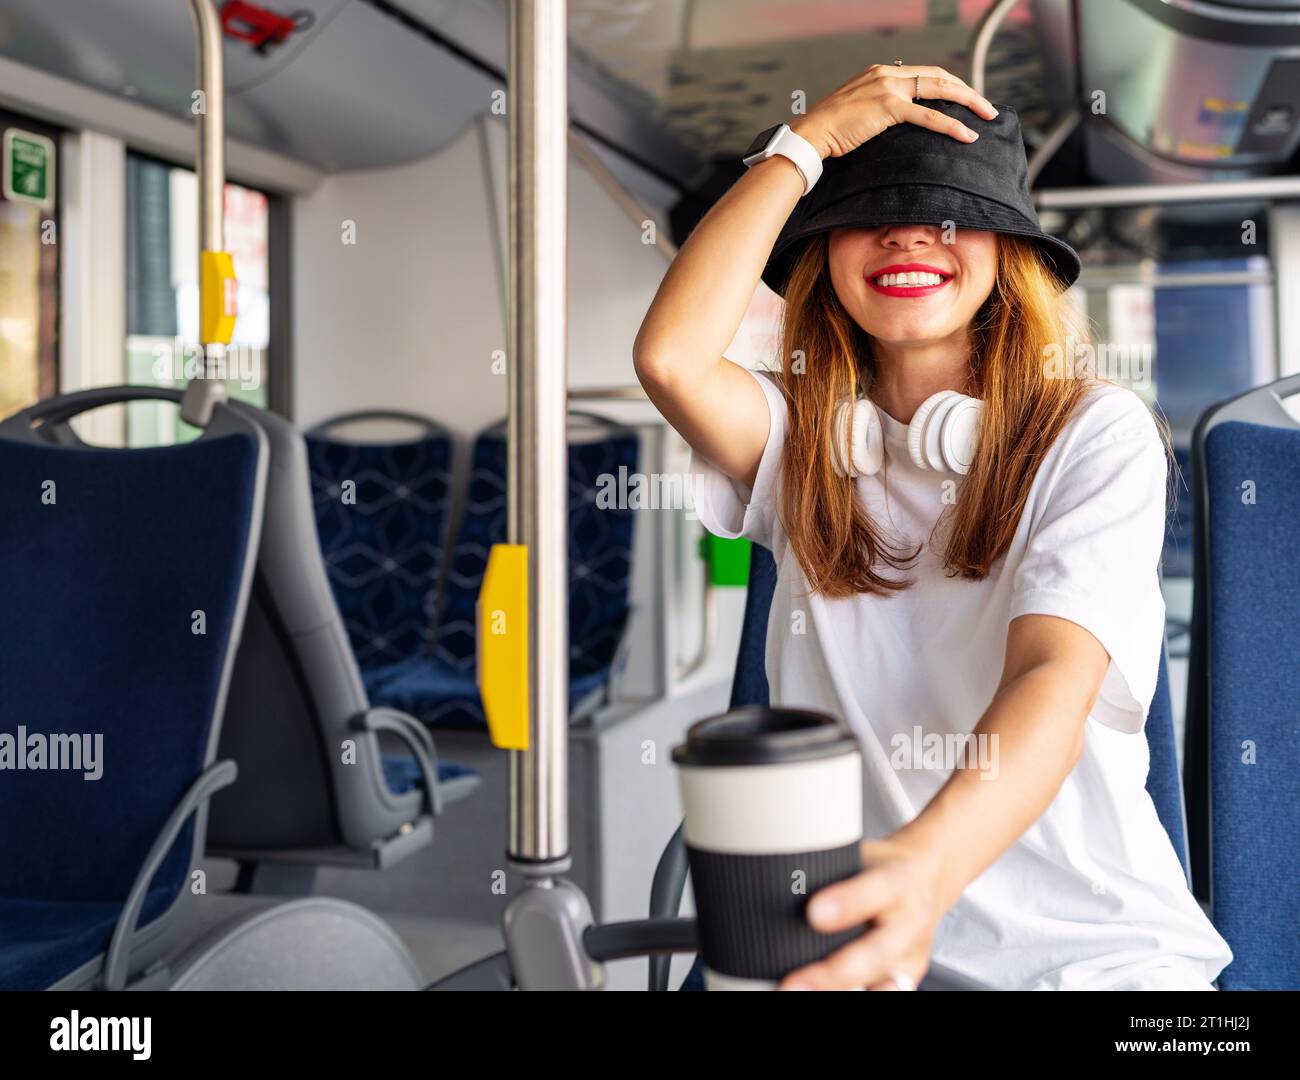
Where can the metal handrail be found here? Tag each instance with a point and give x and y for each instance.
(538, 840)
(210, 124)
(983, 39)
(1259, 188)
(626, 201)
(1103, 276)
(1052, 142)
(210, 170)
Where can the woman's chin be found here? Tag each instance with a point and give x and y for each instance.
(911, 335)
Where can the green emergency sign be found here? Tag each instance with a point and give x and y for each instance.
(28, 167)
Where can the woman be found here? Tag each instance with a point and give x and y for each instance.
(994, 575)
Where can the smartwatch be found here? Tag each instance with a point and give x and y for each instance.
(779, 139)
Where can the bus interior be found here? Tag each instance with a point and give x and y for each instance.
(401, 249)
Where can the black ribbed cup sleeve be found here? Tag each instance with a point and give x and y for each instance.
(751, 920)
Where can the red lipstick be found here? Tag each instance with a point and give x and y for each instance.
(908, 290)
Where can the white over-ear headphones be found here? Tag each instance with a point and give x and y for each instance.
(941, 436)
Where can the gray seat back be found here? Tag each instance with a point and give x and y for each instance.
(308, 778)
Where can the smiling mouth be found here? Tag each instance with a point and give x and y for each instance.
(908, 281)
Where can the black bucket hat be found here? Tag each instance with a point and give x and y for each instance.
(910, 175)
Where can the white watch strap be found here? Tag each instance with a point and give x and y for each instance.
(798, 149)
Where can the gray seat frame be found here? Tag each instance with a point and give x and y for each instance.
(371, 826)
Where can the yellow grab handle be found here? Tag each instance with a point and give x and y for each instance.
(217, 291)
(503, 645)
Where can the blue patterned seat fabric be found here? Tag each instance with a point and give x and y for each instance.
(440, 689)
(384, 552)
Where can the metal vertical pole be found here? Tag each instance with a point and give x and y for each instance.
(538, 475)
(210, 171)
(210, 147)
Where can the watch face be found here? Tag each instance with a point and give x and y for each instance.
(762, 139)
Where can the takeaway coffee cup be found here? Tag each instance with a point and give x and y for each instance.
(773, 812)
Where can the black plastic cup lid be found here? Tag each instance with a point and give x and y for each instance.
(755, 735)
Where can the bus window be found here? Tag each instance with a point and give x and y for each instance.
(1180, 303)
(1179, 300)
(162, 293)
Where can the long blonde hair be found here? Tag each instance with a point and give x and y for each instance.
(841, 549)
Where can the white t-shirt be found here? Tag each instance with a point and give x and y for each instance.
(1092, 895)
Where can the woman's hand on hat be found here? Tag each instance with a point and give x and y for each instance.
(898, 898)
(882, 96)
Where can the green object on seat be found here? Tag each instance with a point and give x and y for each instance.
(728, 560)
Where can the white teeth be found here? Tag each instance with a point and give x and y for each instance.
(912, 278)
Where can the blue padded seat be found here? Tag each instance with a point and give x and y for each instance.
(383, 553)
(102, 588)
(749, 683)
(1164, 782)
(1253, 682)
(43, 940)
(441, 689)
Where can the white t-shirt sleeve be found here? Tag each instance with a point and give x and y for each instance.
(1094, 550)
(731, 510)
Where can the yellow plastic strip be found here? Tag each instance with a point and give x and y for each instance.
(217, 291)
(503, 645)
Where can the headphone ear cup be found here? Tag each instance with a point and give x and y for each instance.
(868, 439)
(959, 435)
(919, 435)
(857, 442)
(841, 434)
(934, 429)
